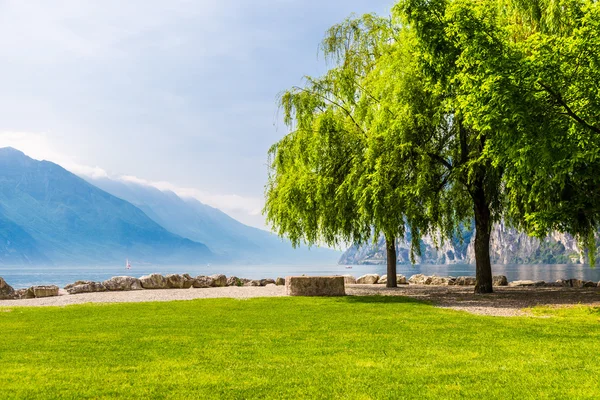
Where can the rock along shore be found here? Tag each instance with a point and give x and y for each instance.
(185, 281)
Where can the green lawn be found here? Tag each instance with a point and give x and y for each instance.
(374, 347)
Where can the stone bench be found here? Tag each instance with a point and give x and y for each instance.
(315, 286)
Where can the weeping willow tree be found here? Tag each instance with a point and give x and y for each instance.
(314, 191)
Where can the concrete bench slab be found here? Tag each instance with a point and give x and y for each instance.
(315, 286)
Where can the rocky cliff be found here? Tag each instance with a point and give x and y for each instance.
(507, 246)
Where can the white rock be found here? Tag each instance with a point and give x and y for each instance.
(465, 281)
(368, 279)
(420, 279)
(121, 283)
(153, 281)
(202, 281)
(6, 291)
(526, 283)
(219, 280)
(280, 281)
(85, 287)
(400, 280)
(499, 280)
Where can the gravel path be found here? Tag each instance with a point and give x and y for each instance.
(506, 301)
(137, 296)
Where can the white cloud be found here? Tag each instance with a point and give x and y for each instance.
(40, 147)
(229, 203)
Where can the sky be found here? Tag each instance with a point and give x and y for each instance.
(178, 94)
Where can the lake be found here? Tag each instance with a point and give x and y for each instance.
(25, 276)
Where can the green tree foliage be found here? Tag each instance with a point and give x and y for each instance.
(451, 111)
(311, 193)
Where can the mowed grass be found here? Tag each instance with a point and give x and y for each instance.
(361, 348)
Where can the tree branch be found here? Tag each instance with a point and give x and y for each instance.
(570, 113)
(336, 104)
(441, 160)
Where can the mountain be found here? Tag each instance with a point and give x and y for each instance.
(225, 236)
(50, 216)
(507, 246)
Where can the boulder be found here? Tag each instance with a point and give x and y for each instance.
(315, 285)
(202, 281)
(563, 282)
(153, 281)
(45, 291)
(121, 283)
(465, 281)
(441, 281)
(24, 294)
(85, 287)
(176, 281)
(252, 282)
(400, 279)
(526, 283)
(579, 283)
(218, 280)
(349, 280)
(234, 281)
(188, 281)
(420, 279)
(280, 281)
(368, 279)
(6, 291)
(499, 280)
(265, 282)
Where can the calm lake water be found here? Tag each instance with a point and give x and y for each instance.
(25, 276)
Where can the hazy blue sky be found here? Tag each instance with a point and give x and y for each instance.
(178, 93)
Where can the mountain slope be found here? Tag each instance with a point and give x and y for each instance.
(224, 235)
(507, 246)
(64, 219)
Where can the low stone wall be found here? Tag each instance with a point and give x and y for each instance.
(315, 286)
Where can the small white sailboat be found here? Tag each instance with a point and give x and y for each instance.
(127, 265)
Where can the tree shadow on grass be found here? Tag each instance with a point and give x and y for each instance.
(378, 298)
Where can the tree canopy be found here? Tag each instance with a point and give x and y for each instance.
(448, 111)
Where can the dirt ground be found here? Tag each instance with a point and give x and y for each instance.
(505, 301)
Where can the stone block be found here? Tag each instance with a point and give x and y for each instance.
(45, 291)
(315, 286)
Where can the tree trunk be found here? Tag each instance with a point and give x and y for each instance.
(390, 244)
(483, 227)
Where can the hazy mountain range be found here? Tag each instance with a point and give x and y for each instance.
(50, 216)
(228, 238)
(507, 246)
